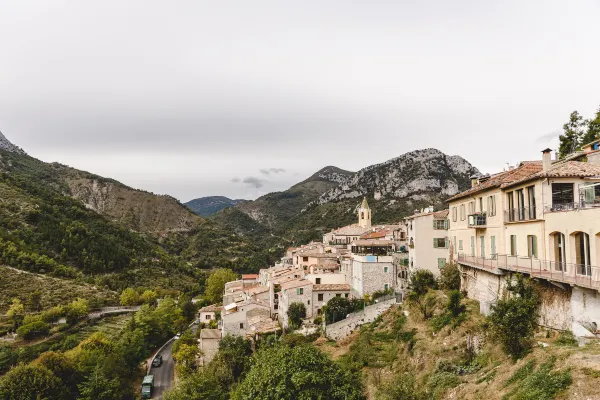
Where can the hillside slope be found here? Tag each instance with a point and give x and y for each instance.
(274, 209)
(207, 206)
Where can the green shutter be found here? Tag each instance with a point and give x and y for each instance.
(435, 243)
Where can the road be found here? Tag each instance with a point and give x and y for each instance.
(163, 375)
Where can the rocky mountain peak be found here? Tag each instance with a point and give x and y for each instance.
(5, 144)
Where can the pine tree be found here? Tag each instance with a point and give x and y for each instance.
(593, 129)
(571, 139)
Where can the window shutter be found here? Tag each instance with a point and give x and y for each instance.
(435, 243)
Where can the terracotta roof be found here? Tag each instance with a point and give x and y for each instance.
(211, 308)
(258, 290)
(441, 214)
(374, 235)
(351, 230)
(569, 169)
(372, 243)
(332, 287)
(526, 169)
(249, 276)
(210, 334)
(296, 284)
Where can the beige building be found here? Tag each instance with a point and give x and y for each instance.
(208, 313)
(541, 219)
(209, 345)
(428, 240)
(372, 266)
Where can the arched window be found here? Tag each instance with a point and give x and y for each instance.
(362, 215)
(558, 249)
(582, 253)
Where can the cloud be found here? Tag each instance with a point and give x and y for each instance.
(548, 136)
(235, 180)
(270, 171)
(253, 182)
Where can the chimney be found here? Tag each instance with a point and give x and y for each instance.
(474, 180)
(546, 159)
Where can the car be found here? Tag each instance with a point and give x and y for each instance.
(157, 362)
(177, 336)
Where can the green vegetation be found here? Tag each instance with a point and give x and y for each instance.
(296, 313)
(578, 132)
(449, 277)
(215, 285)
(541, 384)
(514, 320)
(421, 284)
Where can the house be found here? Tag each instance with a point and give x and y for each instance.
(235, 316)
(372, 267)
(322, 293)
(428, 240)
(209, 313)
(541, 219)
(295, 291)
(209, 345)
(249, 279)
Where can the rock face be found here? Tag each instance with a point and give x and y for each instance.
(5, 144)
(207, 206)
(139, 210)
(414, 176)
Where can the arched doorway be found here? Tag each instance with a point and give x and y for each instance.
(581, 251)
(557, 240)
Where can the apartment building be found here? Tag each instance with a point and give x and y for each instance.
(372, 267)
(428, 240)
(541, 219)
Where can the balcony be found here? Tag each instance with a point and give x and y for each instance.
(478, 220)
(580, 205)
(520, 214)
(587, 276)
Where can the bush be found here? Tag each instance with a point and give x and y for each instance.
(296, 313)
(440, 382)
(567, 338)
(541, 384)
(337, 309)
(33, 329)
(449, 277)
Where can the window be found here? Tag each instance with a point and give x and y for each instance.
(511, 206)
(491, 206)
(385, 269)
(460, 245)
(471, 207)
(242, 325)
(275, 307)
(481, 204)
(441, 262)
(440, 243)
(440, 224)
(454, 213)
(532, 250)
(473, 246)
(482, 245)
(318, 281)
(320, 297)
(582, 253)
(305, 259)
(562, 194)
(338, 295)
(513, 245)
(454, 242)
(300, 291)
(521, 204)
(346, 295)
(308, 302)
(386, 287)
(531, 201)
(462, 212)
(493, 247)
(207, 317)
(559, 251)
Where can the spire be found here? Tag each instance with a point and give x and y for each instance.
(365, 205)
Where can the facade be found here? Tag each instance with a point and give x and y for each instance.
(235, 316)
(209, 313)
(296, 291)
(546, 225)
(428, 241)
(322, 293)
(209, 344)
(372, 267)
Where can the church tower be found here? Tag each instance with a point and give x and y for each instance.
(364, 215)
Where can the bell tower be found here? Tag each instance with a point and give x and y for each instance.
(364, 215)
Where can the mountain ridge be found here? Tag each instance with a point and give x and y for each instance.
(209, 205)
(7, 145)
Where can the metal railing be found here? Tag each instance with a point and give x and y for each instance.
(479, 219)
(572, 206)
(576, 274)
(520, 214)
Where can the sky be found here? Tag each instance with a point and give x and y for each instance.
(241, 98)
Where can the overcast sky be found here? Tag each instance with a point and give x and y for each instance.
(240, 98)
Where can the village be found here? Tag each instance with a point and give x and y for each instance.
(540, 218)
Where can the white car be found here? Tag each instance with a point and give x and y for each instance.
(177, 336)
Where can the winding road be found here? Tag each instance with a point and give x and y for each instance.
(163, 375)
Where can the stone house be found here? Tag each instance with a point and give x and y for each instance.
(209, 345)
(296, 291)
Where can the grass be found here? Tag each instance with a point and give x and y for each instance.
(542, 384)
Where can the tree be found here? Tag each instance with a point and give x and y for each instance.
(188, 309)
(16, 312)
(129, 297)
(186, 357)
(593, 129)
(62, 367)
(35, 301)
(450, 277)
(296, 313)
(337, 309)
(76, 310)
(512, 321)
(99, 386)
(31, 381)
(202, 385)
(215, 285)
(32, 328)
(235, 353)
(301, 372)
(421, 284)
(149, 297)
(573, 132)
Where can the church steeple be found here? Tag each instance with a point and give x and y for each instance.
(364, 214)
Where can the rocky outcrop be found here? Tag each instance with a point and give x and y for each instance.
(140, 211)
(5, 144)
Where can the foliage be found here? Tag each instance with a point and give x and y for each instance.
(449, 277)
(235, 353)
(216, 284)
(578, 132)
(401, 387)
(31, 382)
(32, 328)
(296, 313)
(513, 320)
(202, 385)
(76, 310)
(129, 297)
(337, 309)
(542, 384)
(149, 297)
(421, 281)
(567, 338)
(521, 373)
(440, 382)
(186, 356)
(300, 372)
(454, 313)
(16, 312)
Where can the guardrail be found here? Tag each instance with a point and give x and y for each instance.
(575, 274)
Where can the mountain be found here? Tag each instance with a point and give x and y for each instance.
(207, 206)
(5, 144)
(276, 208)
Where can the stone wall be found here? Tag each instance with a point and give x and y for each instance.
(344, 328)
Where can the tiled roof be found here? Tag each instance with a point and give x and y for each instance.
(351, 230)
(211, 308)
(374, 235)
(441, 214)
(332, 287)
(526, 169)
(569, 169)
(258, 290)
(372, 243)
(296, 284)
(249, 276)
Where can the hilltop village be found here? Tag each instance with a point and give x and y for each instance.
(540, 218)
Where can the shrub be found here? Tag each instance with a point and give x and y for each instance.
(541, 384)
(33, 329)
(440, 382)
(337, 309)
(296, 313)
(567, 338)
(449, 277)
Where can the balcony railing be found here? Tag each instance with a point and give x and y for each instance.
(572, 274)
(520, 214)
(572, 206)
(479, 219)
